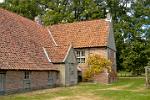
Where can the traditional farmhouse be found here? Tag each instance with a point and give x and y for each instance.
(89, 37)
(30, 58)
(33, 56)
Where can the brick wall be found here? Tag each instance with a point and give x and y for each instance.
(103, 77)
(88, 51)
(39, 79)
(15, 80)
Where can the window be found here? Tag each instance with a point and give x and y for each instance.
(80, 56)
(26, 75)
(27, 81)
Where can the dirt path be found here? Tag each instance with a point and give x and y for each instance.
(81, 97)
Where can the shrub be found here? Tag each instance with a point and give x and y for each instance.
(96, 65)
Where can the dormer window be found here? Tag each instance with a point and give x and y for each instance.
(80, 56)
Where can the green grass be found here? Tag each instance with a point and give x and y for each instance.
(128, 74)
(124, 89)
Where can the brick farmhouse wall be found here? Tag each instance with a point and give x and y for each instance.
(107, 53)
(88, 51)
(14, 80)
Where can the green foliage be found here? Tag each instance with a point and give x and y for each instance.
(132, 43)
(96, 65)
(136, 59)
(26, 8)
(56, 11)
(62, 11)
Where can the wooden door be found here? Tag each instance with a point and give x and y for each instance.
(52, 78)
(2, 82)
(71, 73)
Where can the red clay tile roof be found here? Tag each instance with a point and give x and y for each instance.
(82, 34)
(22, 42)
(58, 53)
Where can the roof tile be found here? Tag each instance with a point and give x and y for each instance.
(82, 34)
(22, 42)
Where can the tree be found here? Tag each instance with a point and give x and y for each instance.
(63, 11)
(57, 11)
(96, 64)
(136, 59)
(26, 8)
(134, 43)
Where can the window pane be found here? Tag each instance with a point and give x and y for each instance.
(82, 53)
(78, 60)
(26, 75)
(78, 53)
(82, 60)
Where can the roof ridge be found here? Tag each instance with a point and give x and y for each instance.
(83, 21)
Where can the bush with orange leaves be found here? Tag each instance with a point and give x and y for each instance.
(96, 64)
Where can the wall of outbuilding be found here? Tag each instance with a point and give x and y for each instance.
(14, 81)
(71, 68)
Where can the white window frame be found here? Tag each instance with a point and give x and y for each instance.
(81, 56)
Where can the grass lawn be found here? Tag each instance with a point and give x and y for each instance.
(123, 89)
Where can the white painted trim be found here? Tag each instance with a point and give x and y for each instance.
(52, 37)
(46, 54)
(67, 53)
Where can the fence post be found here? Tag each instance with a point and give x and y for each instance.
(147, 76)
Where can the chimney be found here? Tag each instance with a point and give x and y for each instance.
(108, 16)
(38, 20)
